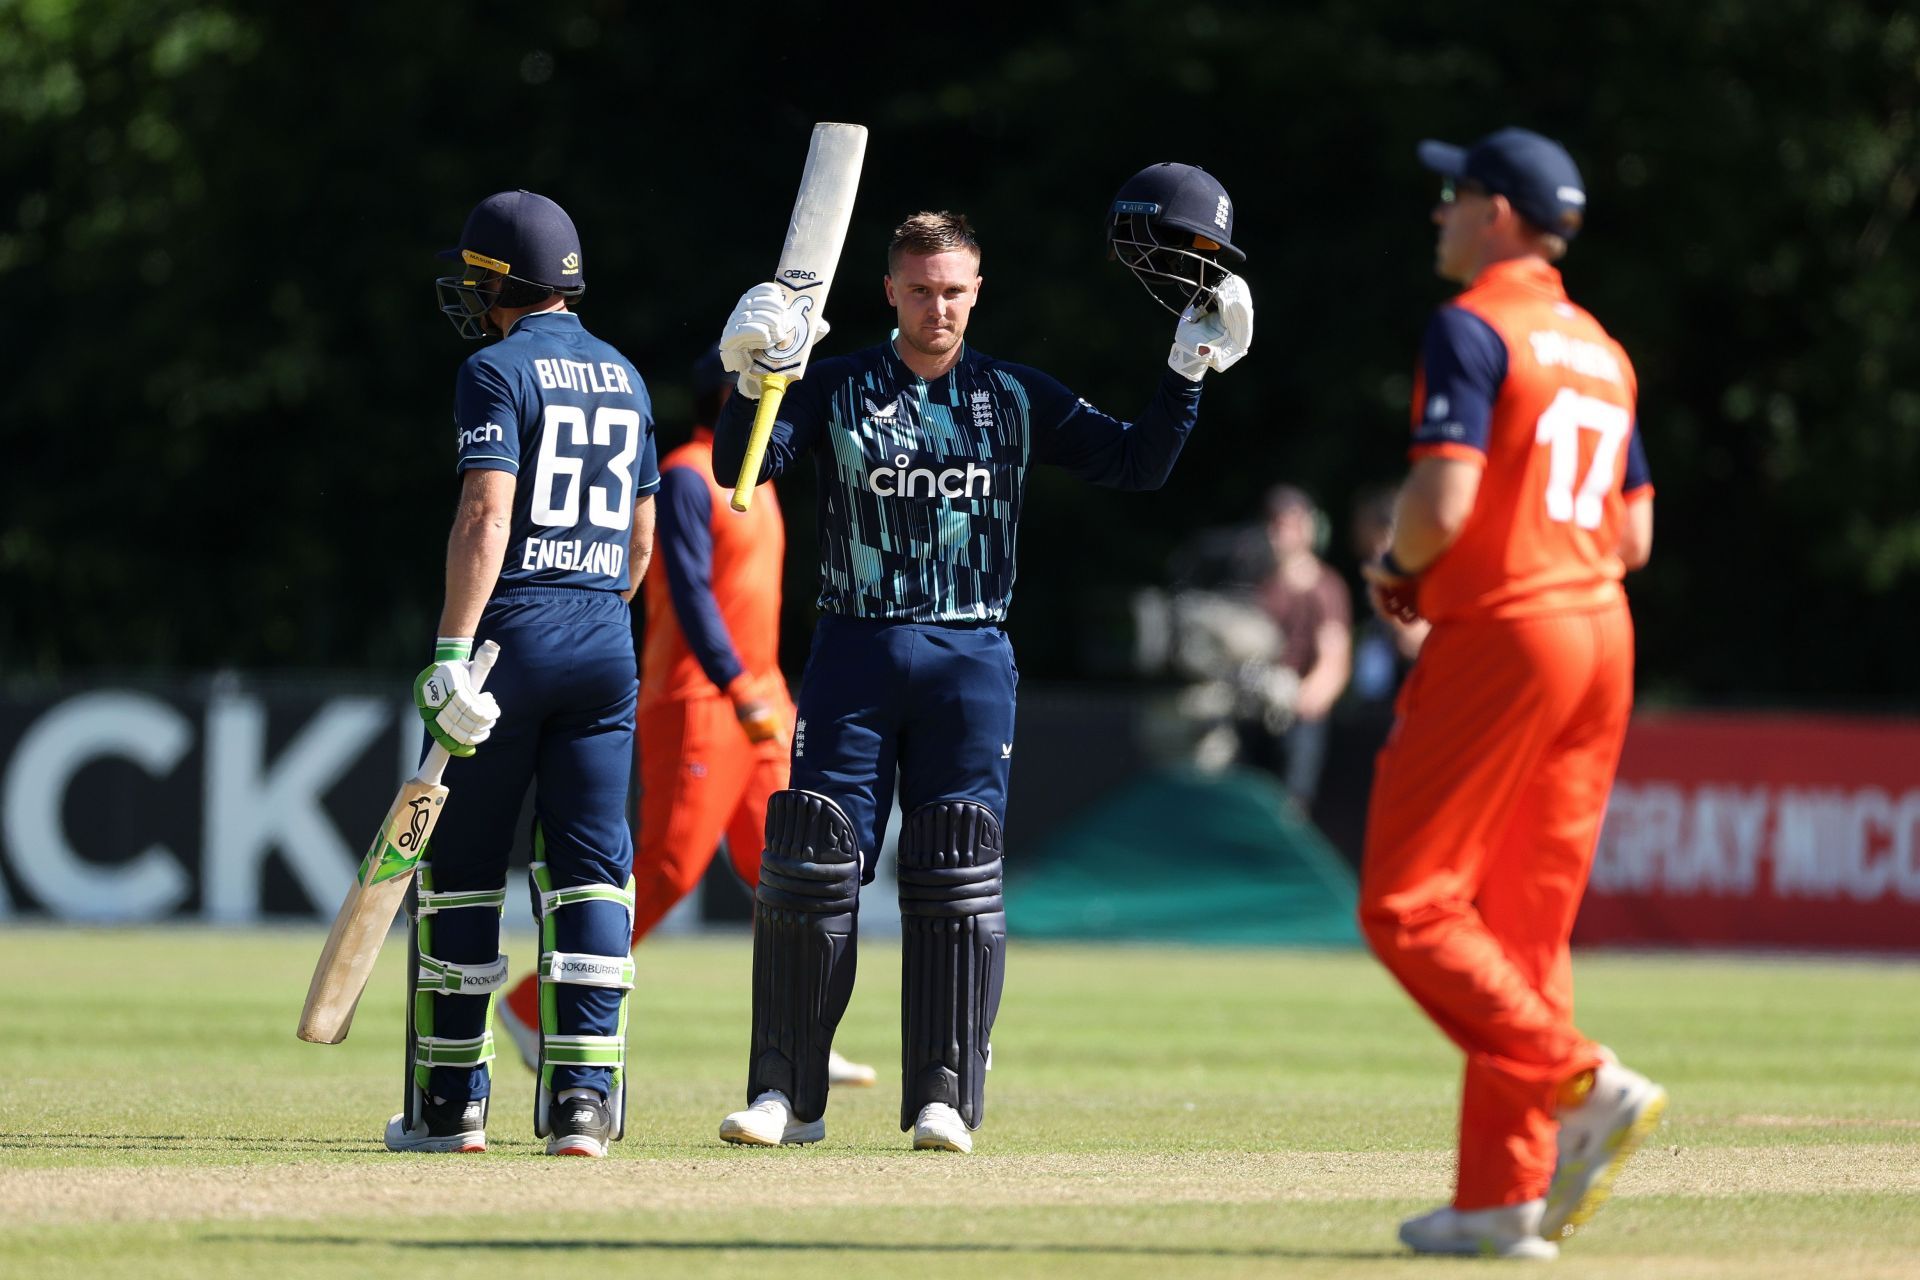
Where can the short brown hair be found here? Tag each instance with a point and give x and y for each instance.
(927, 232)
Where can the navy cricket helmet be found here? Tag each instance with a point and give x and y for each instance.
(516, 248)
(1172, 225)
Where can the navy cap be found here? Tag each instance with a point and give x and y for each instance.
(1533, 172)
(528, 237)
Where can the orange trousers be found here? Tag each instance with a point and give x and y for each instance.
(1486, 807)
(701, 779)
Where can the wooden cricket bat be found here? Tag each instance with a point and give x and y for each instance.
(807, 262)
(377, 892)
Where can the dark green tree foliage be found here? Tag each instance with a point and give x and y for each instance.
(228, 396)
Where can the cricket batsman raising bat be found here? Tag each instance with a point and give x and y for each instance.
(922, 446)
(386, 873)
(793, 305)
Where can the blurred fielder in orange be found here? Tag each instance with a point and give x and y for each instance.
(715, 715)
(1528, 500)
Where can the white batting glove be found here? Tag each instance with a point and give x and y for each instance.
(458, 716)
(1217, 337)
(761, 321)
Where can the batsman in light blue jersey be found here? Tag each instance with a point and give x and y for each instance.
(922, 446)
(554, 437)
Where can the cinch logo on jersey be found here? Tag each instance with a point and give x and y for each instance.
(1555, 349)
(481, 435)
(904, 480)
(578, 375)
(584, 557)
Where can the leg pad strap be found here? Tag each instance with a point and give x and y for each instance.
(445, 978)
(587, 971)
(436, 1051)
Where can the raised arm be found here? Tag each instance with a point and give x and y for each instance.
(1068, 432)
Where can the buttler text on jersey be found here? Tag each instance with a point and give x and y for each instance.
(579, 375)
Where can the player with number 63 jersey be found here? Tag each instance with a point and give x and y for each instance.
(1528, 501)
(555, 524)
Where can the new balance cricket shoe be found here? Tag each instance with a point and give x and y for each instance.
(770, 1122)
(940, 1128)
(842, 1074)
(442, 1125)
(582, 1126)
(1509, 1231)
(1596, 1138)
(519, 1016)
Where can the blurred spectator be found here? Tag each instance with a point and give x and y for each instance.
(1313, 609)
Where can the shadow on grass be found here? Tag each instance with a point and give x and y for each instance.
(175, 1142)
(823, 1246)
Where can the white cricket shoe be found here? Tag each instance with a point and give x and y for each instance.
(842, 1074)
(1509, 1231)
(1596, 1138)
(441, 1126)
(940, 1128)
(770, 1122)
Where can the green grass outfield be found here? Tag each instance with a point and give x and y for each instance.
(1152, 1112)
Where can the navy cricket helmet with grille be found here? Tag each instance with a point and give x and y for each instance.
(516, 248)
(1172, 225)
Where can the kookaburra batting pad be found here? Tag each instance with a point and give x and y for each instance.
(571, 968)
(429, 979)
(953, 927)
(803, 946)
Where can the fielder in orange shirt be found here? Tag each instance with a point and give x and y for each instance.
(715, 716)
(1528, 500)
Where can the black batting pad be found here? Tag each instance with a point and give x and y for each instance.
(953, 924)
(803, 947)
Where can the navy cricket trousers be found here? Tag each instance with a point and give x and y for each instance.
(566, 683)
(934, 701)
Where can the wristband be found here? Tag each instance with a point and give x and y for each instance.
(452, 648)
(1394, 567)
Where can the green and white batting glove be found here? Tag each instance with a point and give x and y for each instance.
(458, 716)
(1216, 336)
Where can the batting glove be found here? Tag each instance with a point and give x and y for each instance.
(761, 321)
(458, 716)
(1216, 335)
